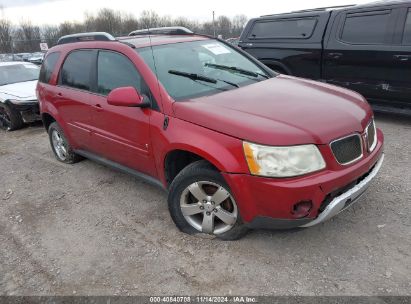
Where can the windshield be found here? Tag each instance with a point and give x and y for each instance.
(200, 68)
(18, 73)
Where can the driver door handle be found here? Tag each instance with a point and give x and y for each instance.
(402, 57)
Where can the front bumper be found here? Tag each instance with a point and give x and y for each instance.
(268, 203)
(29, 110)
(346, 199)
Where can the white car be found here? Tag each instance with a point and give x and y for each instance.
(36, 58)
(18, 101)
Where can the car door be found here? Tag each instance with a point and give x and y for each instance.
(359, 52)
(122, 134)
(73, 96)
(401, 64)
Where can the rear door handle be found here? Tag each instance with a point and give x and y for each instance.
(402, 57)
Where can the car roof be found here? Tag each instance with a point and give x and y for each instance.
(373, 4)
(377, 3)
(146, 40)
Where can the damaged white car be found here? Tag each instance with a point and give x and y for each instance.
(18, 101)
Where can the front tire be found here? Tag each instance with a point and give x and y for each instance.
(10, 119)
(61, 147)
(200, 201)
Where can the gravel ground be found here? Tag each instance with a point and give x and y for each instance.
(88, 230)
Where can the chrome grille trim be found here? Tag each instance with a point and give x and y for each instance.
(345, 137)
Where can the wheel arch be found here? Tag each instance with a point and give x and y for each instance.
(176, 159)
(222, 158)
(47, 120)
(50, 115)
(273, 64)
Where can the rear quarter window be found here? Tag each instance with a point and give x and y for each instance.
(299, 28)
(48, 66)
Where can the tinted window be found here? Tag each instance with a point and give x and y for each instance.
(76, 70)
(115, 71)
(48, 66)
(292, 28)
(407, 31)
(366, 28)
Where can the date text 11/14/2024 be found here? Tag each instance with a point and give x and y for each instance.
(203, 299)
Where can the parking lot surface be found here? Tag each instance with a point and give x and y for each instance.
(85, 229)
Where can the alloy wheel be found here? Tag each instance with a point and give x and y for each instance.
(59, 145)
(209, 207)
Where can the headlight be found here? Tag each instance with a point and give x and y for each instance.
(282, 161)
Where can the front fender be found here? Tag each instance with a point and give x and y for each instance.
(223, 151)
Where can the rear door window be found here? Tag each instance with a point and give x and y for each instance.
(48, 66)
(366, 27)
(76, 70)
(301, 28)
(406, 39)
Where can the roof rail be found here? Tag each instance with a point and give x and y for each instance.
(172, 30)
(324, 8)
(319, 9)
(84, 37)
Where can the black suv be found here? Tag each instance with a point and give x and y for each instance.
(366, 48)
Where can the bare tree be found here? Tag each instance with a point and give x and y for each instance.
(106, 20)
(129, 24)
(6, 44)
(26, 37)
(238, 23)
(50, 34)
(224, 26)
(149, 19)
(207, 28)
(67, 28)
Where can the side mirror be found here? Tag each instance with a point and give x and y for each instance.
(127, 97)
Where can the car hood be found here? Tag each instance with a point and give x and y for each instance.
(21, 90)
(280, 111)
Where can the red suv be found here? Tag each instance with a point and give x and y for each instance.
(236, 145)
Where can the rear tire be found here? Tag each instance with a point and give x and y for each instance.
(10, 119)
(60, 146)
(213, 210)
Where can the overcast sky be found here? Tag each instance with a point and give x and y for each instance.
(56, 11)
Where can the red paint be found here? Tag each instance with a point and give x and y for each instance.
(125, 97)
(279, 111)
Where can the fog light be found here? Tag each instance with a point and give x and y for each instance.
(302, 209)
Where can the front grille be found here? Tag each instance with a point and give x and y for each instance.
(348, 149)
(371, 136)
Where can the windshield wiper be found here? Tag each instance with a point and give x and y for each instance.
(235, 69)
(196, 77)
